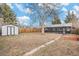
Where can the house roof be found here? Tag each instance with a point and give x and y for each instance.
(60, 25)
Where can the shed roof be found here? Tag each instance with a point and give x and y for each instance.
(8, 25)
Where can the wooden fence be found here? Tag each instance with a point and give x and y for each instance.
(27, 30)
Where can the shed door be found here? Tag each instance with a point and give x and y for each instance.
(8, 30)
(12, 30)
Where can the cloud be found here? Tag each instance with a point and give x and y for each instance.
(24, 17)
(65, 4)
(27, 4)
(40, 4)
(75, 12)
(10, 5)
(77, 15)
(64, 9)
(20, 7)
(23, 20)
(28, 10)
(76, 8)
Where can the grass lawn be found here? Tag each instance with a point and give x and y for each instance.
(60, 48)
(25, 42)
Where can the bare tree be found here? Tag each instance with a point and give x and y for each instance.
(43, 11)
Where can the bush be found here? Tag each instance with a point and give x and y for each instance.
(76, 31)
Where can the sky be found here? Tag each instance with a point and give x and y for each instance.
(24, 13)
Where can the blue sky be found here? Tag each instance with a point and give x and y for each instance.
(23, 12)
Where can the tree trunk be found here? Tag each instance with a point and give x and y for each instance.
(42, 29)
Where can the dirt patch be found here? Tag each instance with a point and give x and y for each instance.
(18, 45)
(71, 37)
(60, 48)
(40, 47)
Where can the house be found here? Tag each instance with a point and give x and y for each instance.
(7, 29)
(60, 28)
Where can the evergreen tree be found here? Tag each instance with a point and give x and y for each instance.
(70, 18)
(8, 15)
(56, 19)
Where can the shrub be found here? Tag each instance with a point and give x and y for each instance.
(76, 31)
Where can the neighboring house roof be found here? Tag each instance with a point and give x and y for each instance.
(60, 25)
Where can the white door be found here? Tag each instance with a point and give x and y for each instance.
(4, 30)
(8, 30)
(12, 31)
(16, 30)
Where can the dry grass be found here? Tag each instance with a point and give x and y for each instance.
(60, 48)
(18, 45)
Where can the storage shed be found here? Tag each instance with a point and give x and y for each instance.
(8, 30)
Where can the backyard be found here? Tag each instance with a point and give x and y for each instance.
(39, 29)
(60, 48)
(24, 42)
